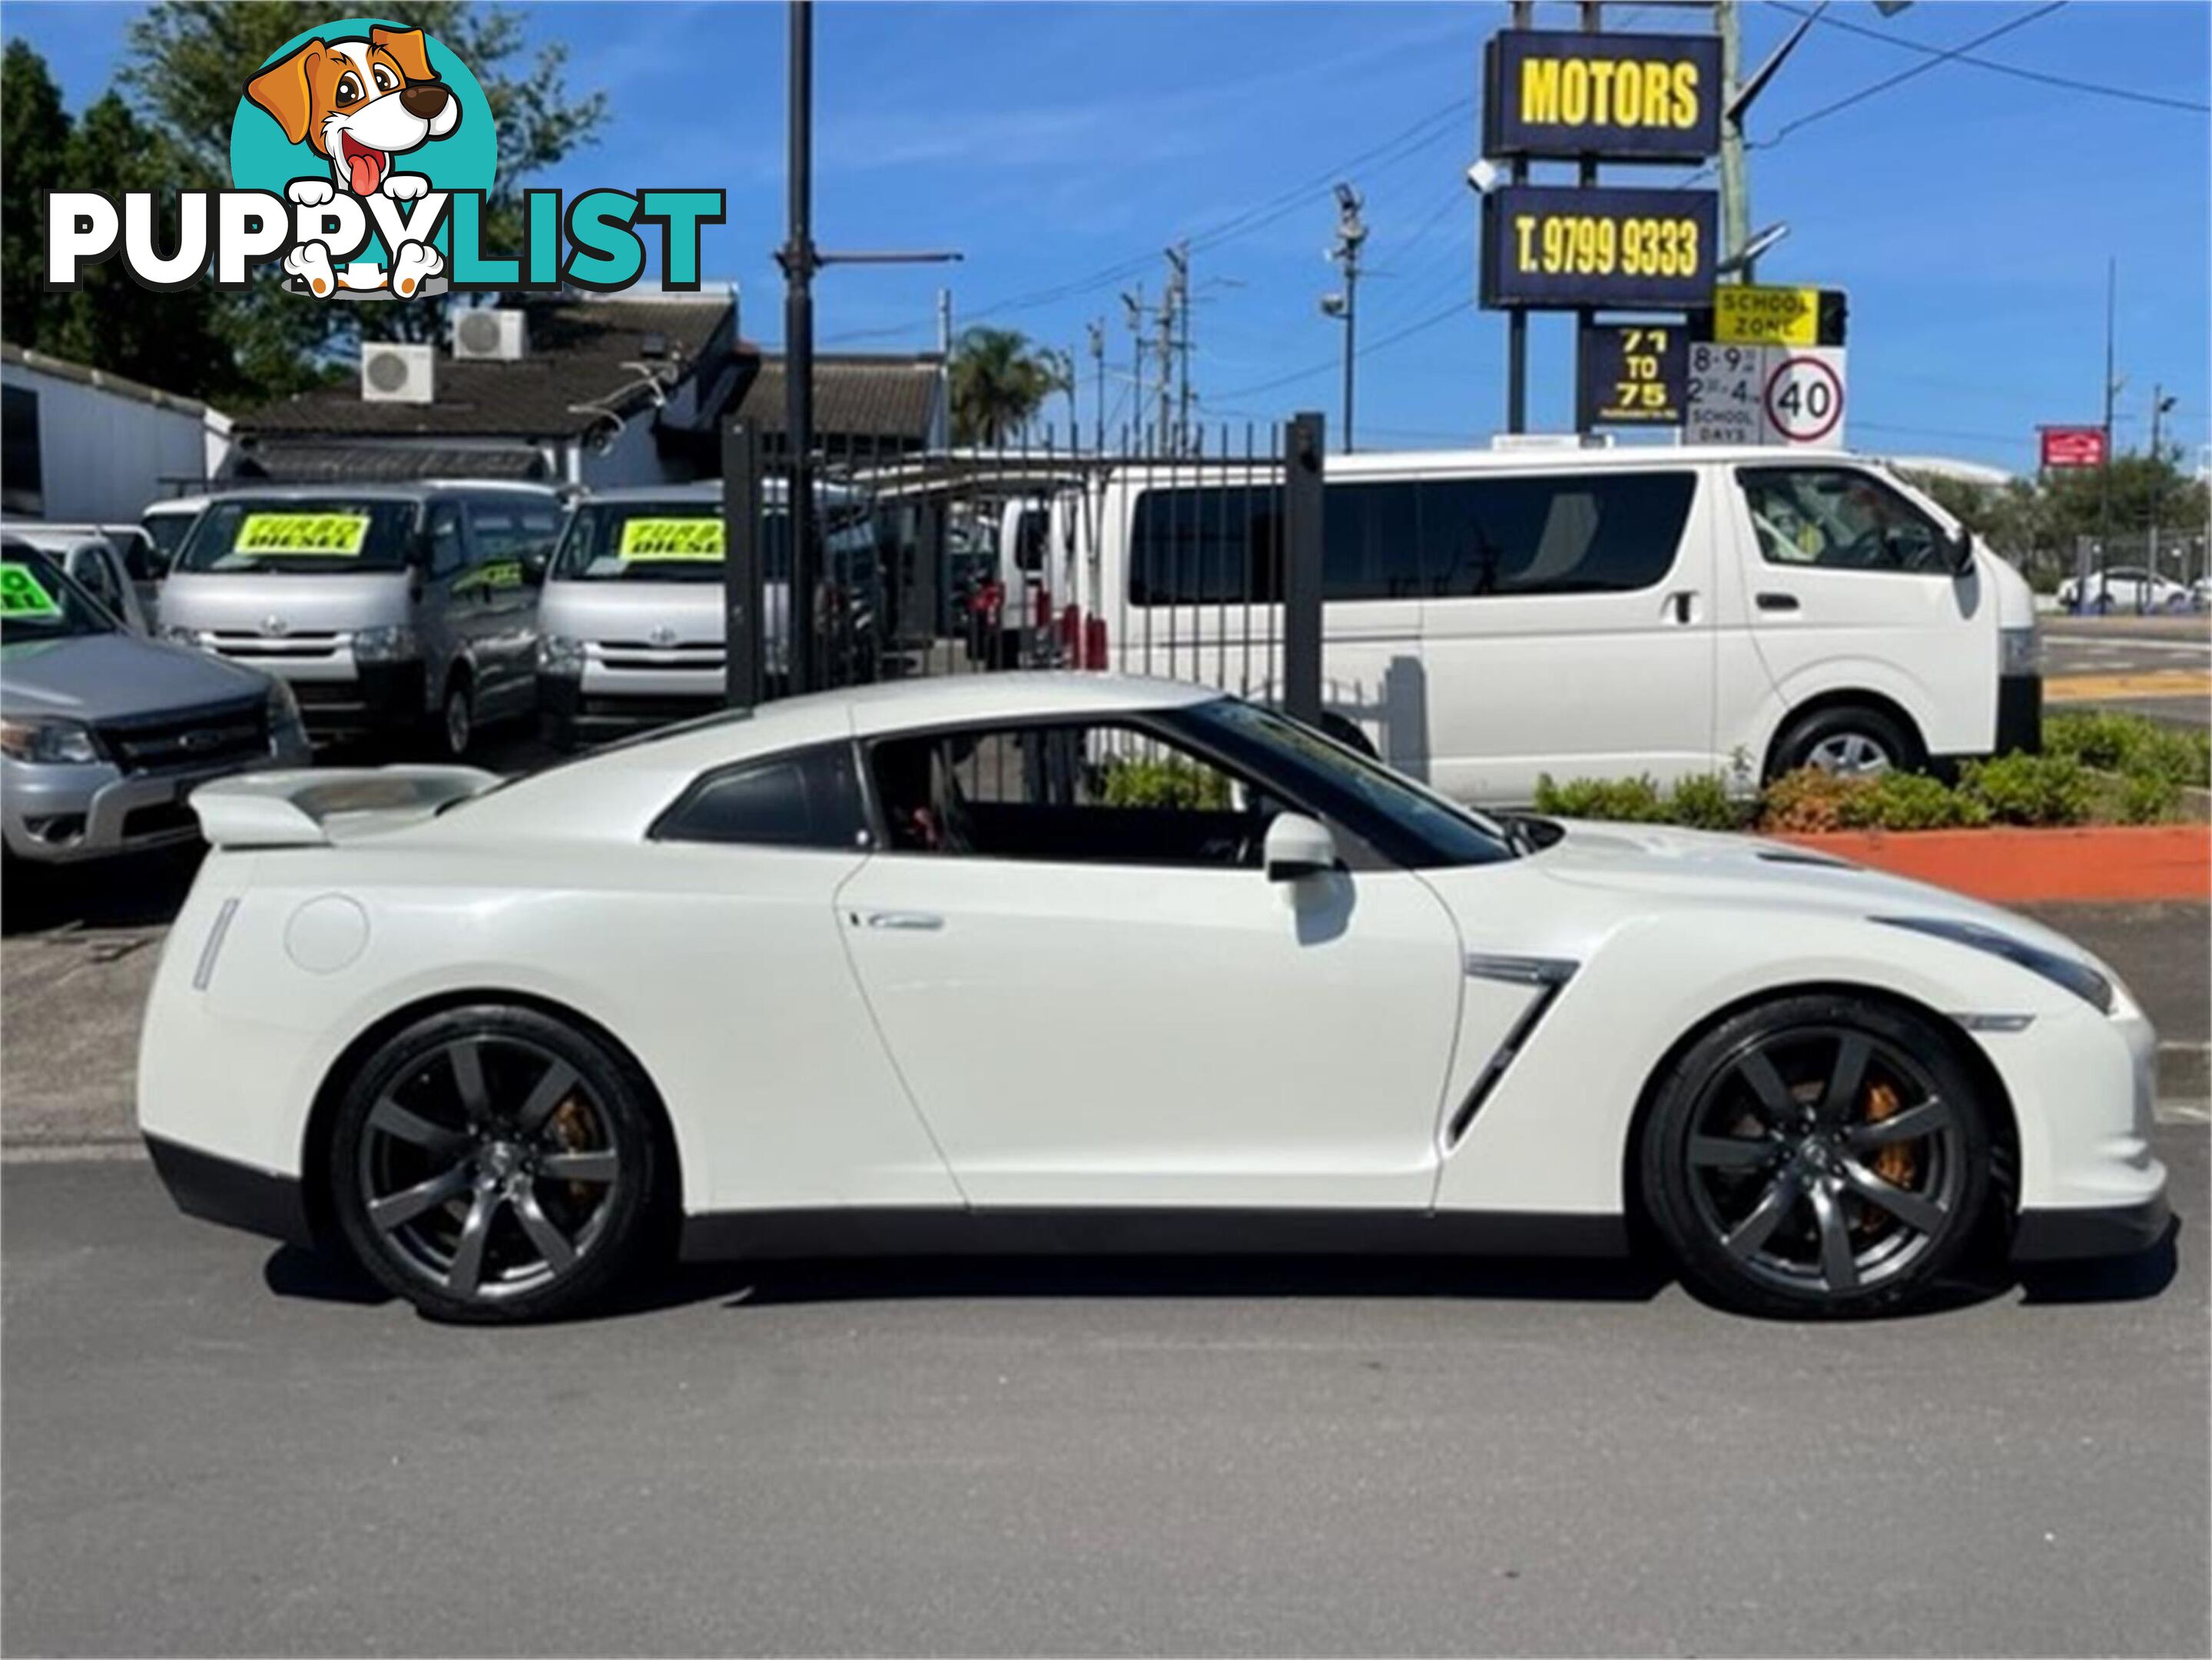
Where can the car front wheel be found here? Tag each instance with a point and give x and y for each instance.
(1819, 1155)
(490, 1163)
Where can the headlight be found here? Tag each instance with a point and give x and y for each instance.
(2084, 982)
(66, 743)
(394, 643)
(2020, 651)
(200, 639)
(560, 656)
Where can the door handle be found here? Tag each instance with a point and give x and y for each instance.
(1681, 604)
(1778, 602)
(911, 921)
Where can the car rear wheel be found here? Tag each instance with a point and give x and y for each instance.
(490, 1163)
(457, 721)
(1820, 1155)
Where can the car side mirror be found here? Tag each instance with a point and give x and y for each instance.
(534, 562)
(1298, 847)
(1960, 551)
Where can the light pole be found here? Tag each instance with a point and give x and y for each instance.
(1351, 231)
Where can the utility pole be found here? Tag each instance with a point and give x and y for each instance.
(2161, 405)
(1169, 306)
(945, 324)
(2112, 391)
(1134, 305)
(1736, 180)
(1179, 257)
(1098, 333)
(800, 259)
(1344, 305)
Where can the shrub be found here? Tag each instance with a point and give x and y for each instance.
(1915, 801)
(2132, 744)
(2030, 789)
(1165, 782)
(1632, 800)
(1703, 802)
(1808, 801)
(2146, 798)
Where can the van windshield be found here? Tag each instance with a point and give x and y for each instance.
(168, 530)
(682, 541)
(331, 535)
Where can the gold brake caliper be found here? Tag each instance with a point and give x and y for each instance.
(1893, 1162)
(572, 1129)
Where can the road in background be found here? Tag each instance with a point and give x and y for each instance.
(2160, 667)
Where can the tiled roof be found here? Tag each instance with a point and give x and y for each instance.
(853, 397)
(575, 356)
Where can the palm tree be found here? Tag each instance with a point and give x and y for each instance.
(1000, 381)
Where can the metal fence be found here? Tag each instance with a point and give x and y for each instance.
(1195, 560)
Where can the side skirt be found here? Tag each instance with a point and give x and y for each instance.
(716, 1235)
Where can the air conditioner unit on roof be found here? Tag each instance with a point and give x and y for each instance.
(499, 333)
(397, 375)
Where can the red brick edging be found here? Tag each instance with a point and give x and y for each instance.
(2020, 867)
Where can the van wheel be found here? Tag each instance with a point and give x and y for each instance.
(457, 721)
(1850, 741)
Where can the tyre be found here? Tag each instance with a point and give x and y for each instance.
(1850, 739)
(1821, 1155)
(490, 1163)
(558, 731)
(457, 718)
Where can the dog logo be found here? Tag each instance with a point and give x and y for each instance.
(366, 110)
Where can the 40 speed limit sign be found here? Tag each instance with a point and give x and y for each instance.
(1790, 397)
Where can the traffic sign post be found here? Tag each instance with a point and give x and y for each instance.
(1789, 397)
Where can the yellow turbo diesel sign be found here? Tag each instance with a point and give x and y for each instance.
(1636, 97)
(671, 538)
(306, 535)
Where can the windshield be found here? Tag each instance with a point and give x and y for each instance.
(301, 536)
(167, 531)
(37, 602)
(1413, 824)
(682, 541)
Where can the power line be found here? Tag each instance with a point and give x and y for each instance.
(1940, 57)
(1417, 137)
(1369, 350)
(2126, 94)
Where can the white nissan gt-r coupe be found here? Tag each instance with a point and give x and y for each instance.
(1023, 961)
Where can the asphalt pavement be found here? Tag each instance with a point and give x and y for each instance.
(214, 1447)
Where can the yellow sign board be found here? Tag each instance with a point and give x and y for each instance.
(671, 538)
(334, 535)
(1747, 315)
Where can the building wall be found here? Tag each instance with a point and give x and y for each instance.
(105, 455)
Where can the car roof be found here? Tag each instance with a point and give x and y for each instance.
(619, 790)
(773, 487)
(414, 491)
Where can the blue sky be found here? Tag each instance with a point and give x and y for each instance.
(1969, 213)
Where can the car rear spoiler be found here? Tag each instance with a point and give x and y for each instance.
(311, 808)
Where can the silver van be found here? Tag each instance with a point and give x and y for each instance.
(388, 608)
(631, 620)
(103, 734)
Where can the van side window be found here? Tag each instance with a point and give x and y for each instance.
(1608, 532)
(811, 799)
(1218, 545)
(445, 537)
(1839, 518)
(504, 531)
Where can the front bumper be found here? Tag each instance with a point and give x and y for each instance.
(380, 697)
(2020, 715)
(57, 815)
(573, 713)
(2059, 1236)
(236, 1196)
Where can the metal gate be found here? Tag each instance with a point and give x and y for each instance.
(1198, 561)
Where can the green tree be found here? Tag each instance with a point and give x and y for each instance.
(1000, 381)
(34, 134)
(185, 62)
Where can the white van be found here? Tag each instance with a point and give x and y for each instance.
(1490, 617)
(632, 621)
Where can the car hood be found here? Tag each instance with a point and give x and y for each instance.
(1671, 868)
(107, 677)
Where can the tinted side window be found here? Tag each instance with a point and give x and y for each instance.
(1219, 545)
(508, 530)
(1574, 533)
(807, 799)
(446, 546)
(1839, 519)
(1371, 545)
